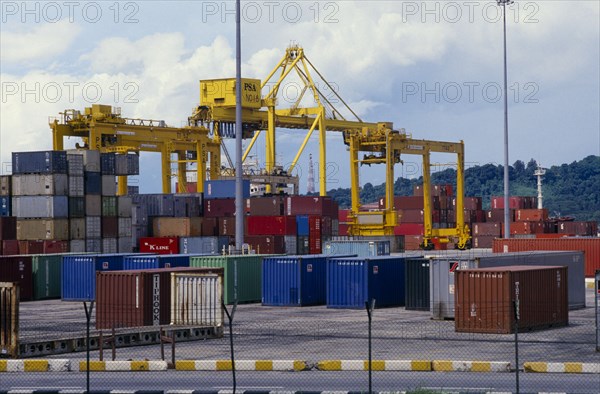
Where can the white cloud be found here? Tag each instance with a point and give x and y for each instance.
(44, 42)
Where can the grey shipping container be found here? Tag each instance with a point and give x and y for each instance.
(91, 159)
(359, 248)
(41, 162)
(77, 228)
(77, 246)
(76, 207)
(291, 244)
(209, 245)
(93, 205)
(124, 206)
(93, 245)
(74, 164)
(109, 245)
(40, 185)
(93, 226)
(128, 164)
(396, 241)
(156, 204)
(124, 227)
(124, 245)
(76, 186)
(41, 229)
(40, 206)
(139, 215)
(109, 206)
(109, 185)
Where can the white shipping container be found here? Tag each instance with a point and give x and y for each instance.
(109, 245)
(196, 299)
(93, 227)
(40, 207)
(76, 186)
(109, 185)
(77, 228)
(124, 227)
(139, 215)
(91, 158)
(93, 205)
(124, 207)
(40, 229)
(124, 245)
(291, 244)
(77, 246)
(75, 165)
(40, 185)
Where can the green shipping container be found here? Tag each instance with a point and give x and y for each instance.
(109, 206)
(249, 275)
(46, 275)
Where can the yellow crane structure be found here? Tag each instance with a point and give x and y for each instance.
(101, 127)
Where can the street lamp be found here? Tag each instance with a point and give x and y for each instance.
(503, 4)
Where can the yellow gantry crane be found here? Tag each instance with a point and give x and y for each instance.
(101, 127)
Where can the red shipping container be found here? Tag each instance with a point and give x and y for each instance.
(488, 228)
(315, 235)
(410, 216)
(265, 206)
(436, 190)
(514, 202)
(10, 247)
(409, 229)
(472, 203)
(309, 205)
(271, 225)
(110, 227)
(527, 227)
(497, 215)
(343, 229)
(408, 202)
(531, 215)
(8, 227)
(413, 242)
(220, 207)
(227, 226)
(483, 241)
(343, 215)
(266, 244)
(31, 247)
(553, 235)
(52, 247)
(485, 296)
(18, 269)
(210, 227)
(576, 228)
(159, 245)
(590, 245)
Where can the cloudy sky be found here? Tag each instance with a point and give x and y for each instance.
(433, 68)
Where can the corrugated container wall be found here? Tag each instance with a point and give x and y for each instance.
(40, 185)
(196, 299)
(591, 247)
(417, 296)
(90, 158)
(36, 229)
(92, 183)
(109, 185)
(44, 162)
(243, 275)
(74, 164)
(485, 299)
(5, 185)
(441, 284)
(76, 207)
(353, 281)
(224, 189)
(204, 245)
(359, 248)
(266, 244)
(41, 206)
(46, 276)
(294, 280)
(156, 261)
(18, 269)
(128, 164)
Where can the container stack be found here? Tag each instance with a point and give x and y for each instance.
(8, 224)
(40, 200)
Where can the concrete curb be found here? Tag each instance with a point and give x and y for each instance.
(218, 392)
(58, 365)
(542, 367)
(113, 366)
(376, 365)
(241, 365)
(470, 366)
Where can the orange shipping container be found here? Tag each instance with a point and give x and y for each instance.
(485, 299)
(531, 215)
(176, 227)
(591, 247)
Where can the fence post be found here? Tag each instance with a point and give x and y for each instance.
(370, 306)
(88, 317)
(230, 319)
(9, 319)
(516, 312)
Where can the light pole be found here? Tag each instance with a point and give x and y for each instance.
(239, 197)
(503, 4)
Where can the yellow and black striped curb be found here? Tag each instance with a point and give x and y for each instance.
(470, 366)
(35, 365)
(241, 365)
(561, 367)
(113, 366)
(376, 365)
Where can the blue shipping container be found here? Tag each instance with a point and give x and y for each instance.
(92, 182)
(359, 248)
(5, 209)
(78, 276)
(353, 281)
(302, 225)
(44, 162)
(156, 261)
(294, 280)
(107, 163)
(224, 189)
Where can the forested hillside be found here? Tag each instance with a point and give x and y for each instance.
(569, 190)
